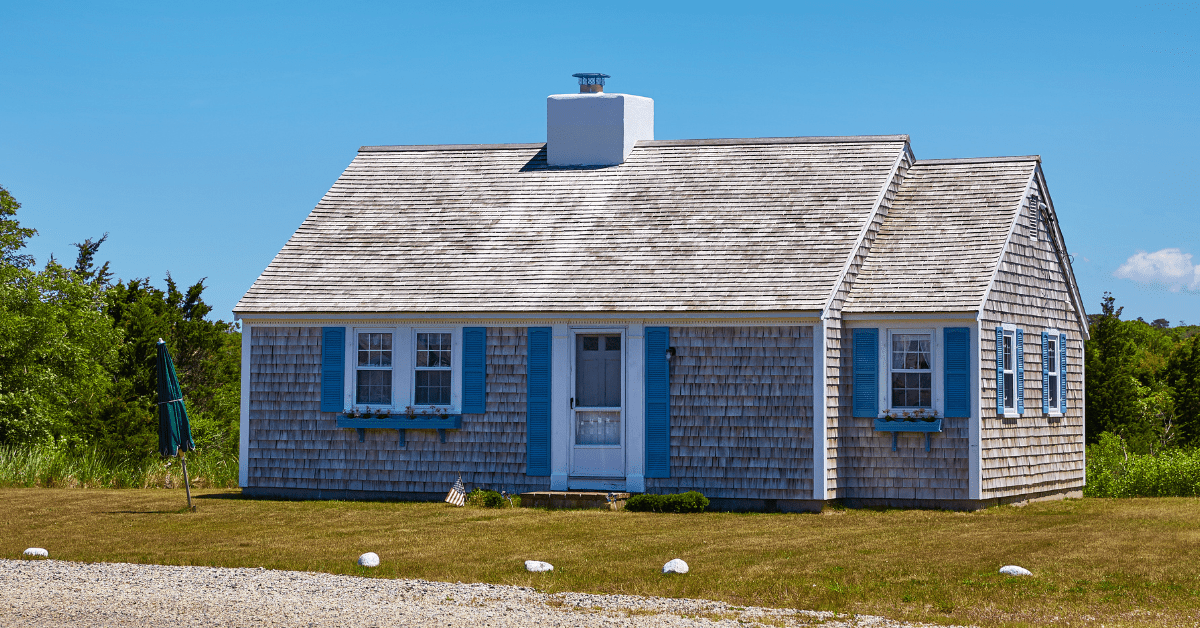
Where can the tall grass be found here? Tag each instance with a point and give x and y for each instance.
(1112, 471)
(51, 467)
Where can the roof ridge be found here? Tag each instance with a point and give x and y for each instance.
(727, 141)
(414, 147)
(815, 139)
(977, 160)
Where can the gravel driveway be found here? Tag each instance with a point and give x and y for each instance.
(59, 593)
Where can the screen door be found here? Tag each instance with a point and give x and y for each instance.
(599, 435)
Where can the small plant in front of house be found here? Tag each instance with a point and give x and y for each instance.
(888, 416)
(410, 412)
(352, 413)
(484, 498)
(691, 501)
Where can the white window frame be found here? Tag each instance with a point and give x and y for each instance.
(935, 361)
(1010, 368)
(1052, 335)
(352, 366)
(455, 404)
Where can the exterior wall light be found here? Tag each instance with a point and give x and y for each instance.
(670, 353)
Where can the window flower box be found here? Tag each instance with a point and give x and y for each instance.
(895, 426)
(440, 422)
(884, 425)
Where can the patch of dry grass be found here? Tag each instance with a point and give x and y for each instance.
(1130, 562)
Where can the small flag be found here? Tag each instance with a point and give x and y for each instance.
(457, 494)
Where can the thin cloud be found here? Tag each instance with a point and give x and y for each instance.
(1169, 267)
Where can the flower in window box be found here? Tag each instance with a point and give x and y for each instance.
(410, 412)
(352, 413)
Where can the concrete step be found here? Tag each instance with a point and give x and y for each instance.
(574, 500)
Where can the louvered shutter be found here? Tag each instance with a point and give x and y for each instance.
(866, 373)
(537, 402)
(1019, 340)
(474, 370)
(1045, 373)
(1062, 373)
(999, 370)
(957, 347)
(658, 403)
(333, 369)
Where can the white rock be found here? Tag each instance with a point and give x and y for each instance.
(37, 551)
(370, 559)
(537, 566)
(675, 566)
(1013, 570)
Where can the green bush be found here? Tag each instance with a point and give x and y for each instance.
(484, 498)
(1112, 471)
(690, 501)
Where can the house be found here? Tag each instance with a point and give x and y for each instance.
(775, 322)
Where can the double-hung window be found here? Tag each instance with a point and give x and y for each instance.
(911, 370)
(1008, 365)
(1052, 371)
(373, 372)
(432, 376)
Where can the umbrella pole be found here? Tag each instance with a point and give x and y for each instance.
(187, 485)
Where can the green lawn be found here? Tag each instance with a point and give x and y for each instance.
(1096, 561)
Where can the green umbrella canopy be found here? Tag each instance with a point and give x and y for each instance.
(174, 431)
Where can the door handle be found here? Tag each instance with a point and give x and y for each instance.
(572, 403)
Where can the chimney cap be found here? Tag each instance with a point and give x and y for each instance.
(590, 78)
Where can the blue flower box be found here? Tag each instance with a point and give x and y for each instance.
(420, 422)
(883, 425)
(401, 423)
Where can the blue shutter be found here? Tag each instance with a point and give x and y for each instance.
(957, 347)
(1045, 373)
(474, 370)
(658, 403)
(1062, 373)
(333, 369)
(866, 373)
(1019, 340)
(1000, 370)
(537, 402)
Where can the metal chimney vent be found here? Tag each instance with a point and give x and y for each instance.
(591, 82)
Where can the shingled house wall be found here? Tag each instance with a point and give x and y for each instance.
(839, 368)
(741, 414)
(1034, 454)
(297, 450)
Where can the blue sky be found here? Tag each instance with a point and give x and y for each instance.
(219, 126)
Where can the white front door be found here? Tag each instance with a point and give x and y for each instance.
(597, 405)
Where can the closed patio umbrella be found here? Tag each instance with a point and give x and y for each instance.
(174, 431)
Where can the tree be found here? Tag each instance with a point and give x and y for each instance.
(1183, 376)
(55, 342)
(207, 358)
(1109, 358)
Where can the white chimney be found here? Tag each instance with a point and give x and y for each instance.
(592, 128)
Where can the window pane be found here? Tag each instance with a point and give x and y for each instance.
(433, 350)
(1053, 392)
(433, 388)
(374, 387)
(375, 349)
(591, 343)
(910, 361)
(1008, 389)
(898, 380)
(1052, 354)
(597, 428)
(1008, 361)
(612, 343)
(923, 361)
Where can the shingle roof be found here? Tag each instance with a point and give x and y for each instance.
(717, 225)
(942, 239)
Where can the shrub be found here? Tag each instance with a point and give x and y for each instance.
(1114, 472)
(484, 498)
(690, 501)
